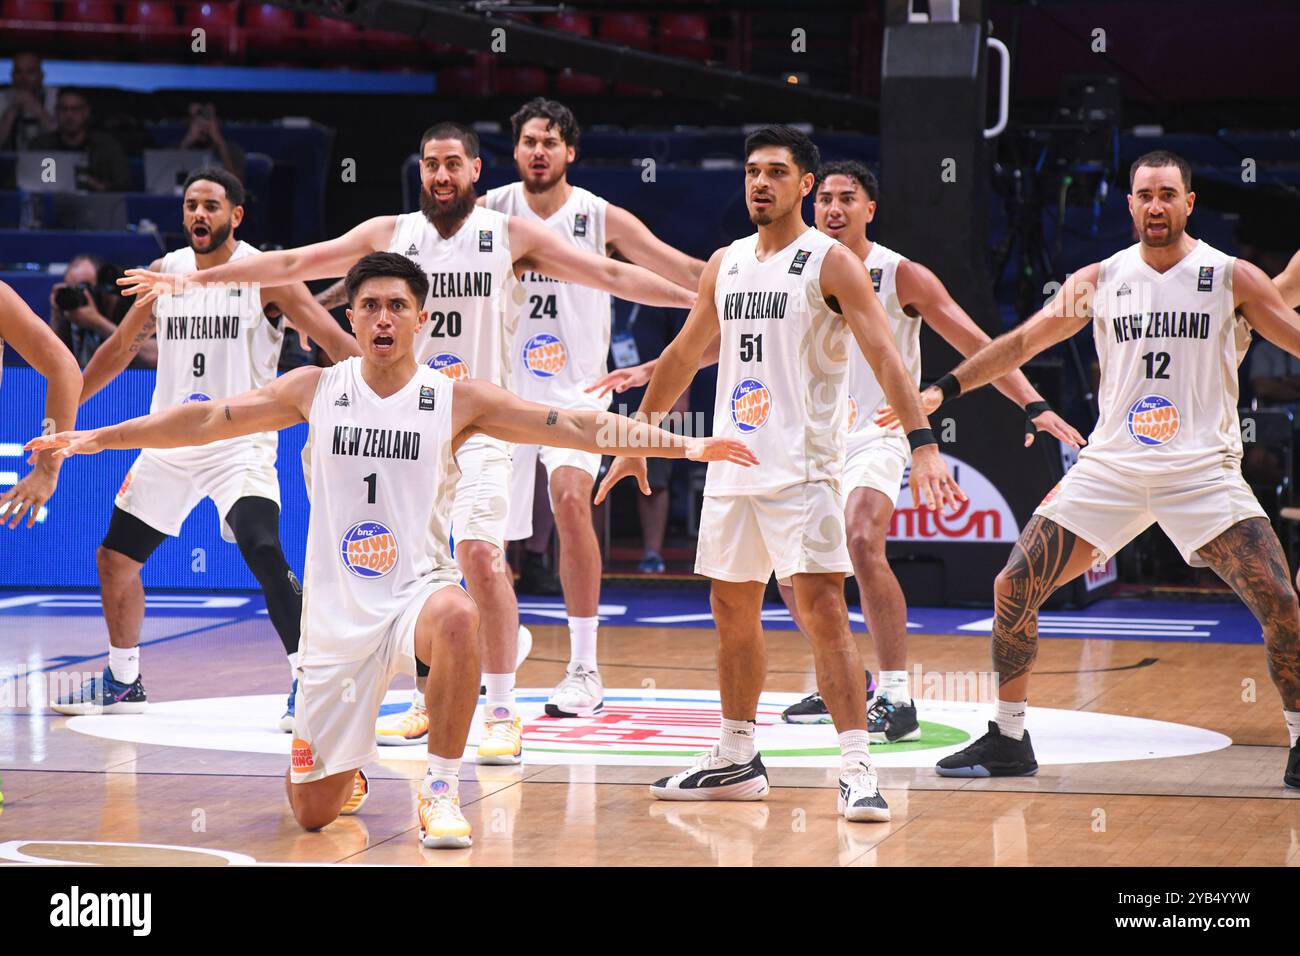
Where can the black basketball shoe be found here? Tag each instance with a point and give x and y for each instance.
(714, 777)
(812, 709)
(1292, 777)
(991, 756)
(891, 723)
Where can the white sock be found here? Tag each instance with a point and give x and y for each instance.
(124, 662)
(1011, 718)
(737, 741)
(854, 746)
(1292, 725)
(442, 770)
(582, 641)
(417, 699)
(500, 696)
(293, 664)
(892, 685)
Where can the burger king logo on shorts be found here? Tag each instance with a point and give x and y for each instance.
(544, 355)
(301, 756)
(1153, 420)
(853, 412)
(751, 404)
(450, 365)
(196, 397)
(126, 483)
(369, 549)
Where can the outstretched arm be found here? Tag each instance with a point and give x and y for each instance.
(634, 376)
(479, 406)
(128, 340)
(23, 329)
(279, 404)
(321, 260)
(921, 289)
(1260, 302)
(1068, 311)
(636, 243)
(308, 316)
(538, 249)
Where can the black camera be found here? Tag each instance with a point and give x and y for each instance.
(71, 297)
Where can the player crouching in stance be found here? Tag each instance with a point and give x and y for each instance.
(380, 588)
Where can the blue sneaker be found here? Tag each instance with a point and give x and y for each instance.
(103, 695)
(286, 722)
(652, 563)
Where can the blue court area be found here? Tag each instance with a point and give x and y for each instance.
(1115, 619)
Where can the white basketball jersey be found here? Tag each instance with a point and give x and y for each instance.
(1169, 346)
(562, 336)
(782, 368)
(471, 294)
(380, 476)
(214, 341)
(865, 393)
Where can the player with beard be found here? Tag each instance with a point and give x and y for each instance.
(1171, 317)
(41, 349)
(472, 256)
(560, 345)
(381, 588)
(213, 342)
(780, 307)
(876, 448)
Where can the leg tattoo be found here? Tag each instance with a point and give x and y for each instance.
(1249, 558)
(1032, 573)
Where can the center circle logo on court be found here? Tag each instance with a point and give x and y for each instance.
(751, 405)
(451, 365)
(1153, 420)
(197, 397)
(369, 549)
(544, 355)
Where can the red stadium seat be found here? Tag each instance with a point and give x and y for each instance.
(42, 10)
(154, 26)
(329, 35)
(569, 83)
(219, 19)
(685, 35)
(629, 29)
(578, 24)
(390, 44)
(97, 22)
(463, 81)
(521, 81)
(269, 29)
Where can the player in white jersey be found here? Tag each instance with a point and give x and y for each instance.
(783, 304)
(471, 255)
(41, 349)
(561, 341)
(380, 587)
(213, 342)
(876, 453)
(1167, 446)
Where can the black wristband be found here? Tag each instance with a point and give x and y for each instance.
(1034, 409)
(920, 437)
(949, 386)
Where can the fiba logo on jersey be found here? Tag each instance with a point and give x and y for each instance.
(544, 355)
(853, 412)
(450, 365)
(196, 397)
(751, 404)
(1153, 420)
(369, 549)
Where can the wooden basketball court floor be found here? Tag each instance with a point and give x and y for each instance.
(72, 796)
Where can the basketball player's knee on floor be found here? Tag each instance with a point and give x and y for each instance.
(315, 806)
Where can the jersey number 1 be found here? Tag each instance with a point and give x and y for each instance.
(371, 481)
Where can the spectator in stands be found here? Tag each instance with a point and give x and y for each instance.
(205, 133)
(27, 106)
(107, 169)
(85, 326)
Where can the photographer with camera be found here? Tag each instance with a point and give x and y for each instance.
(205, 133)
(85, 310)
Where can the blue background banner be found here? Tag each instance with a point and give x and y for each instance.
(60, 551)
